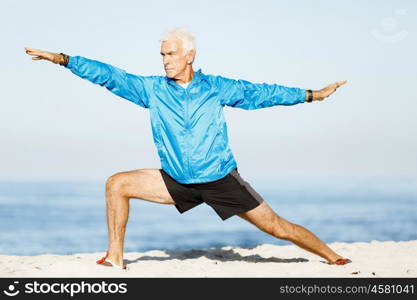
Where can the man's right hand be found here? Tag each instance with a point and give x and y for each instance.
(56, 58)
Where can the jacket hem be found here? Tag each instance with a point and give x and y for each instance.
(207, 178)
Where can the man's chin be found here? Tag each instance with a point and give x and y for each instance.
(170, 75)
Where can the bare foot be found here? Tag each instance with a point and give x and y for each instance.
(340, 261)
(109, 261)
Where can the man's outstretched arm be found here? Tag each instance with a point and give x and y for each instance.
(129, 86)
(248, 95)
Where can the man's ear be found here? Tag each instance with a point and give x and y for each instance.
(190, 56)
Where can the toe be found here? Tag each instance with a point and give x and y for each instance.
(342, 261)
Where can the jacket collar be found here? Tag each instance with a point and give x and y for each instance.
(198, 76)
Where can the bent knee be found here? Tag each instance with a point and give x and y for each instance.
(116, 183)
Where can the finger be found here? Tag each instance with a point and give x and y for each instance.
(340, 83)
(40, 55)
(34, 52)
(337, 84)
(30, 52)
(37, 58)
(31, 49)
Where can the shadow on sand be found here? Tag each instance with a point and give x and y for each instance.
(216, 254)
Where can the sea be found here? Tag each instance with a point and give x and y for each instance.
(67, 217)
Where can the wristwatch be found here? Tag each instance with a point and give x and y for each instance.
(65, 60)
(309, 96)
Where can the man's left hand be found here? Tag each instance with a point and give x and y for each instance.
(327, 91)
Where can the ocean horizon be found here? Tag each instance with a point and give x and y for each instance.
(67, 217)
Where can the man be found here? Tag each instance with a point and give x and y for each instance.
(190, 133)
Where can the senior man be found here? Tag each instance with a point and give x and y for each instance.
(190, 134)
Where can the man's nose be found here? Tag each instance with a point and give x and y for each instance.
(165, 60)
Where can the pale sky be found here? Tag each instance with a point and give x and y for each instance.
(55, 125)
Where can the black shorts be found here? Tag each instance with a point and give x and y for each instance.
(228, 196)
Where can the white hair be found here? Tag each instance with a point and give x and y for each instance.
(187, 39)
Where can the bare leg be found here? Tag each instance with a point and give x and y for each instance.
(145, 184)
(268, 221)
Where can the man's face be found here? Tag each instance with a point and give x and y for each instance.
(174, 58)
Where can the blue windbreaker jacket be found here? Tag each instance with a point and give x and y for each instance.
(188, 126)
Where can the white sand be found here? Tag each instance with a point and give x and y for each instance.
(375, 259)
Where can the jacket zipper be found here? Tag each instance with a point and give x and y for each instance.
(188, 131)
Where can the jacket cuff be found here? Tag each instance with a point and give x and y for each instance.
(303, 95)
(70, 62)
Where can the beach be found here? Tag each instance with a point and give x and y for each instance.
(374, 259)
